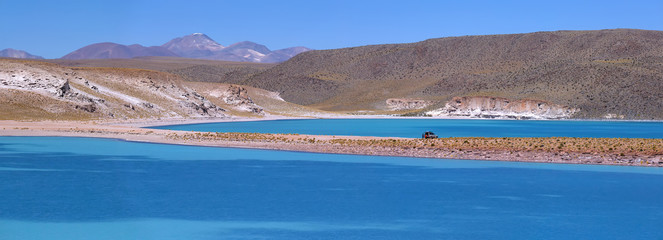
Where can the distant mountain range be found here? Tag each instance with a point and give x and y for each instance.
(196, 45)
(114, 50)
(13, 53)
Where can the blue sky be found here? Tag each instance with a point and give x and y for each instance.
(55, 28)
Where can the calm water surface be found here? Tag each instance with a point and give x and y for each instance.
(443, 127)
(81, 188)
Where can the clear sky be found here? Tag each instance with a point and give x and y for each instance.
(54, 28)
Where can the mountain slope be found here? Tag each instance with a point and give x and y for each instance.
(201, 46)
(242, 52)
(113, 50)
(196, 45)
(282, 55)
(13, 53)
(599, 72)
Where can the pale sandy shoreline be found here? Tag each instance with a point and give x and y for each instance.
(306, 143)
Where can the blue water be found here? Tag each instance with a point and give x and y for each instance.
(81, 188)
(413, 128)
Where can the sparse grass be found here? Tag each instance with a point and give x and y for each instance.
(154, 63)
(616, 61)
(330, 76)
(18, 105)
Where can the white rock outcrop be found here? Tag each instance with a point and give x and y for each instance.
(237, 97)
(502, 108)
(396, 104)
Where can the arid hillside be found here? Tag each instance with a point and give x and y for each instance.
(617, 73)
(194, 70)
(37, 90)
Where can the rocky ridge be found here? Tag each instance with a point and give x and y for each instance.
(502, 108)
(98, 93)
(238, 97)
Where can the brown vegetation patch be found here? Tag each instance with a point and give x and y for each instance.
(611, 151)
(22, 105)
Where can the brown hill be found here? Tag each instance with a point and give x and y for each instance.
(195, 70)
(599, 72)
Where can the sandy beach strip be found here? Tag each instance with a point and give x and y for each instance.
(629, 152)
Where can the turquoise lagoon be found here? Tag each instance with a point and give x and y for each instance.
(413, 128)
(83, 188)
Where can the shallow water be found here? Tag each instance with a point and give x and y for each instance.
(81, 188)
(413, 128)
